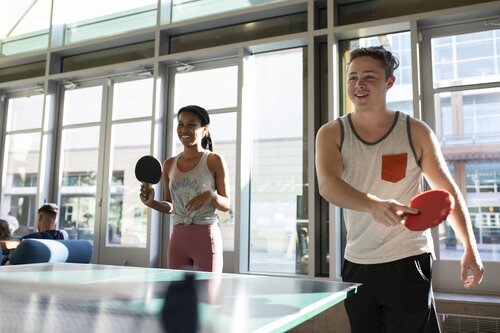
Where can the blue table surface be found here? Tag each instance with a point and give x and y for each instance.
(101, 298)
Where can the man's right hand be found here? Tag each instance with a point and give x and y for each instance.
(389, 212)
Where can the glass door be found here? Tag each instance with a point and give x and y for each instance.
(214, 86)
(22, 162)
(279, 225)
(79, 161)
(106, 127)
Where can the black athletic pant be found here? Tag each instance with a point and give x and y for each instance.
(395, 297)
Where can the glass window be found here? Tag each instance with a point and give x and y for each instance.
(25, 113)
(278, 191)
(93, 198)
(82, 105)
(78, 181)
(483, 177)
(20, 185)
(476, 68)
(89, 19)
(24, 71)
(133, 99)
(223, 133)
(197, 88)
(465, 59)
(125, 227)
(483, 194)
(183, 10)
(110, 56)
(24, 26)
(474, 37)
(468, 117)
(237, 33)
(442, 54)
(127, 223)
(22, 160)
(79, 161)
(475, 50)
(467, 123)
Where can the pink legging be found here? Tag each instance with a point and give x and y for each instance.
(195, 246)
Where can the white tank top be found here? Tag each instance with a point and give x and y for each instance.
(389, 169)
(186, 185)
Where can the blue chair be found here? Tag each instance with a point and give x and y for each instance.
(32, 250)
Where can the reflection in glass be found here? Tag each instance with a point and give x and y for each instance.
(238, 33)
(78, 181)
(465, 59)
(20, 179)
(23, 71)
(109, 56)
(483, 177)
(278, 203)
(127, 221)
(127, 215)
(183, 10)
(21, 161)
(132, 97)
(84, 20)
(24, 26)
(483, 193)
(82, 105)
(25, 113)
(223, 133)
(199, 88)
(468, 117)
(467, 127)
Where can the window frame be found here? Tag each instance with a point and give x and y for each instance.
(443, 268)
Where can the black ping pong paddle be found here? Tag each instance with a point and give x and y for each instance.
(148, 170)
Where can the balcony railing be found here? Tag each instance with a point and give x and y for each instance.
(486, 227)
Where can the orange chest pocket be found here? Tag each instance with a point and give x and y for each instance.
(394, 167)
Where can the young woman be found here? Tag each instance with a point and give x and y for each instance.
(197, 184)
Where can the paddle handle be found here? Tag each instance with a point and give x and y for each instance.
(148, 187)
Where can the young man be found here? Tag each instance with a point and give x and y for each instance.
(46, 223)
(370, 162)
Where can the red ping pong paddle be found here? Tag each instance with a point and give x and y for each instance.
(434, 207)
(148, 170)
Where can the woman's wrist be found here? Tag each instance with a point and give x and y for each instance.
(213, 196)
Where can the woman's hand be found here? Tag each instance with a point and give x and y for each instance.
(147, 195)
(199, 201)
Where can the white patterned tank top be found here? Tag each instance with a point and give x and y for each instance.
(186, 185)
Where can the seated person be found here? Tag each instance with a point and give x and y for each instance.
(5, 239)
(4, 230)
(46, 223)
(13, 223)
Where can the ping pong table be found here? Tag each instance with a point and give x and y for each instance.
(63, 297)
